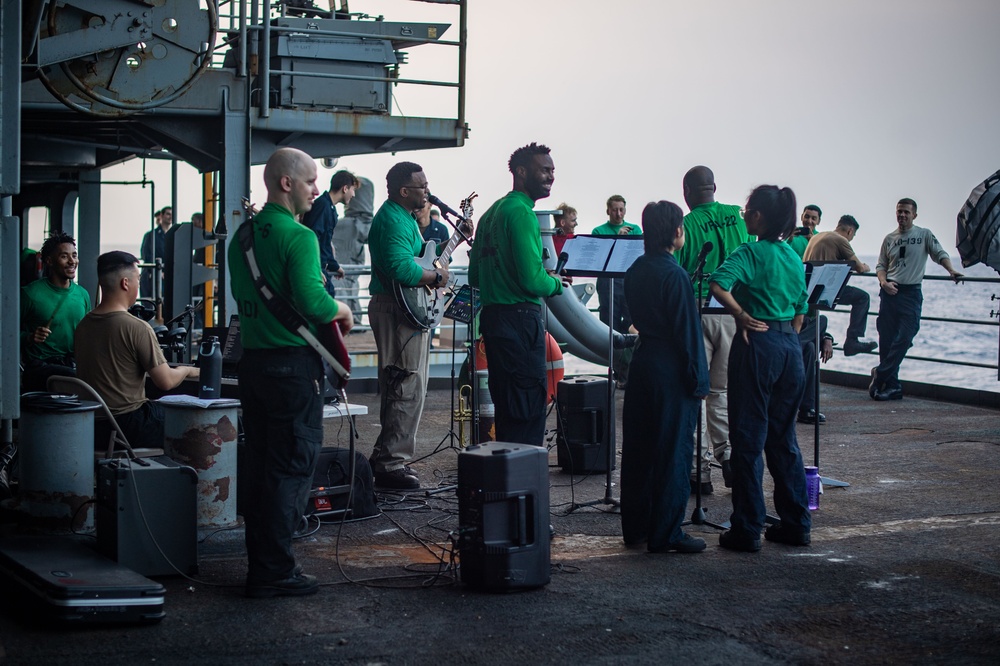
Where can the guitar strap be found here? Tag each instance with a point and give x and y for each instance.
(277, 305)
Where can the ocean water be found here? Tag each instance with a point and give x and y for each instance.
(969, 343)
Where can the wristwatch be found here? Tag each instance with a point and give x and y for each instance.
(438, 277)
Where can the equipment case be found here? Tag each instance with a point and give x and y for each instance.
(147, 515)
(63, 580)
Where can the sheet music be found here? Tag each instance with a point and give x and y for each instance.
(192, 401)
(713, 306)
(830, 277)
(625, 252)
(586, 253)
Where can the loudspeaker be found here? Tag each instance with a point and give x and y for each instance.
(582, 427)
(503, 509)
(147, 514)
(331, 488)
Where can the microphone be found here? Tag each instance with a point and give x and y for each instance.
(443, 207)
(700, 261)
(561, 264)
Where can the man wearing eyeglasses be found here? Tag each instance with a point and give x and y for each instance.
(394, 241)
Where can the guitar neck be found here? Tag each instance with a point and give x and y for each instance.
(453, 242)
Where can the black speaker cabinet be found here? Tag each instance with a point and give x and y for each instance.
(503, 511)
(148, 511)
(582, 425)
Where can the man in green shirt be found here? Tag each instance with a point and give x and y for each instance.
(719, 228)
(51, 308)
(506, 265)
(615, 226)
(799, 241)
(394, 241)
(280, 376)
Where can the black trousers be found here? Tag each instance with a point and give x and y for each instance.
(515, 352)
(898, 324)
(283, 421)
(143, 427)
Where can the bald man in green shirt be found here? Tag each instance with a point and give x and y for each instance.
(280, 376)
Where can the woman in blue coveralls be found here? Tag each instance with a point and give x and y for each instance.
(763, 286)
(669, 375)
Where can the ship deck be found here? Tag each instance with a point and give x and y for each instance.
(903, 568)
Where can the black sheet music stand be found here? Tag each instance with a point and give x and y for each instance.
(610, 257)
(825, 280)
(462, 308)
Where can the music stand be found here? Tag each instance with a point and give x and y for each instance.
(610, 257)
(463, 306)
(825, 281)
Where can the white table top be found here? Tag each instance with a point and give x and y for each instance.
(338, 410)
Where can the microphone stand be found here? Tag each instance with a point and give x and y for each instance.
(698, 515)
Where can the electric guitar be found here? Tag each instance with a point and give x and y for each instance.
(424, 305)
(328, 341)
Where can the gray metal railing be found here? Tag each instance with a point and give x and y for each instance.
(251, 36)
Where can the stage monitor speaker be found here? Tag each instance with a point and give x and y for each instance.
(503, 511)
(148, 514)
(581, 426)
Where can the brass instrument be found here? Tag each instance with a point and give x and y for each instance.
(463, 414)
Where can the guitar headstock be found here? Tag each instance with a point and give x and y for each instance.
(466, 206)
(250, 208)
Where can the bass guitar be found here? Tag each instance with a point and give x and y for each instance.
(424, 305)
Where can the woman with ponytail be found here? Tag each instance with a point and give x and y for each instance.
(763, 286)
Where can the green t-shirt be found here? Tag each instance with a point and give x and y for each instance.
(394, 240)
(288, 256)
(716, 223)
(767, 279)
(608, 229)
(800, 243)
(506, 258)
(41, 301)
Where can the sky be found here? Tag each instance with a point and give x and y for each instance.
(853, 104)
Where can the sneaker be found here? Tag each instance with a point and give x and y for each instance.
(299, 585)
(857, 346)
(727, 473)
(810, 416)
(397, 479)
(781, 534)
(687, 544)
(732, 541)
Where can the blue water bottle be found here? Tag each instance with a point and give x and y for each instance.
(813, 487)
(210, 366)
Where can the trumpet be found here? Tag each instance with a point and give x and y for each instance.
(463, 414)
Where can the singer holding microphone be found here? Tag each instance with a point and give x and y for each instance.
(669, 377)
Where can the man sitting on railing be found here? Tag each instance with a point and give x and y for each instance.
(836, 246)
(901, 264)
